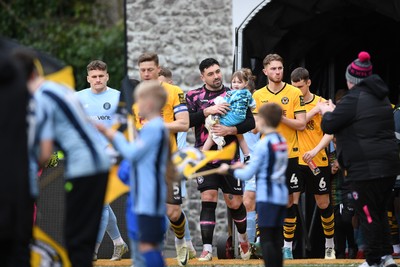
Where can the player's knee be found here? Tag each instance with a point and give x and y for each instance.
(249, 204)
(209, 196)
(233, 202)
(322, 201)
(174, 212)
(249, 201)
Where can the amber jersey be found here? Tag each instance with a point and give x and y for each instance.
(290, 99)
(175, 104)
(312, 135)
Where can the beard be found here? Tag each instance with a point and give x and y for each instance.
(216, 84)
(275, 79)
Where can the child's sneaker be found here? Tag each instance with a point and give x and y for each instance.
(245, 252)
(205, 256)
(119, 250)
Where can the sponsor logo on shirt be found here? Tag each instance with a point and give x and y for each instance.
(101, 118)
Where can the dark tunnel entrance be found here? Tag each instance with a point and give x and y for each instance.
(324, 36)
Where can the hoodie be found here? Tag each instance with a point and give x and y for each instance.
(364, 128)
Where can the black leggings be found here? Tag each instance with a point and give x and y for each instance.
(271, 244)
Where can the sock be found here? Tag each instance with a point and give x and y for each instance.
(179, 226)
(96, 248)
(187, 231)
(328, 222)
(287, 244)
(153, 258)
(251, 225)
(207, 247)
(329, 243)
(396, 248)
(289, 225)
(179, 242)
(207, 221)
(239, 217)
(118, 241)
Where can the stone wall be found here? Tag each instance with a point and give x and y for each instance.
(183, 33)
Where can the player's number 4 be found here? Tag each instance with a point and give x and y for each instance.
(293, 179)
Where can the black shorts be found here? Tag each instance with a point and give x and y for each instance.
(293, 181)
(319, 184)
(151, 228)
(174, 196)
(270, 215)
(227, 183)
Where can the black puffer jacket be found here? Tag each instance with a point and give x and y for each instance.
(364, 128)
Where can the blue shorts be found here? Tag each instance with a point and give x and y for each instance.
(270, 215)
(250, 185)
(151, 228)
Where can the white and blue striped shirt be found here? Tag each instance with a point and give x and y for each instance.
(148, 156)
(65, 122)
(268, 163)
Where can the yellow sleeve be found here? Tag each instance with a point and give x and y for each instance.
(257, 99)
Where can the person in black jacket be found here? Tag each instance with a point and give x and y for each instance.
(367, 152)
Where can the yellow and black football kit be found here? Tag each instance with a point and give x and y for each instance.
(175, 104)
(290, 99)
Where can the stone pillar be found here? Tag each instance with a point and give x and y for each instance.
(183, 33)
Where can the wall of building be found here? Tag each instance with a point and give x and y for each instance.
(183, 33)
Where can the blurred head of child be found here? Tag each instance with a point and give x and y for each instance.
(150, 97)
(270, 115)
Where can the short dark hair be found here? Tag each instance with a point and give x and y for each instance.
(96, 65)
(165, 72)
(206, 63)
(25, 58)
(272, 57)
(271, 113)
(299, 74)
(148, 57)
